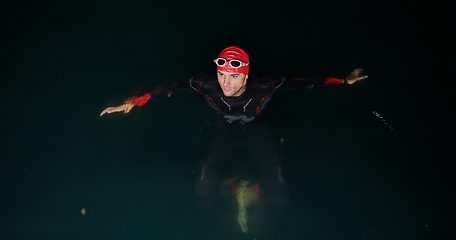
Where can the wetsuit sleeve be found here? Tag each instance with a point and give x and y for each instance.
(296, 83)
(165, 89)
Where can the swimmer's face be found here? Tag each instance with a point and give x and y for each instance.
(232, 84)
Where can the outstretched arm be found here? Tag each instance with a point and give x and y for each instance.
(161, 92)
(125, 107)
(355, 76)
(295, 83)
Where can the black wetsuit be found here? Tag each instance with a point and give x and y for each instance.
(242, 129)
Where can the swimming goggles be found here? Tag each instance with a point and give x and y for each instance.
(221, 62)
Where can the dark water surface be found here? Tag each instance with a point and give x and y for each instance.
(353, 174)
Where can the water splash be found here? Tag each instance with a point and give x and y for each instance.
(382, 119)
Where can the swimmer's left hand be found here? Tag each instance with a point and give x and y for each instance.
(355, 76)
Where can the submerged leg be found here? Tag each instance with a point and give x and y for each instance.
(271, 166)
(245, 196)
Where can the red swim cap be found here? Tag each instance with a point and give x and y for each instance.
(234, 53)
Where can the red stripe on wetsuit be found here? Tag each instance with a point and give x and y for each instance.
(258, 109)
(333, 80)
(139, 101)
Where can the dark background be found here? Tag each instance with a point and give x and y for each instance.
(351, 175)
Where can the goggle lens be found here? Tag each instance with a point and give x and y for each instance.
(235, 63)
(221, 62)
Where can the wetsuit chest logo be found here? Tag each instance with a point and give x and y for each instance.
(243, 119)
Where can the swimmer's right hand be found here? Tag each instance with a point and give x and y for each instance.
(126, 107)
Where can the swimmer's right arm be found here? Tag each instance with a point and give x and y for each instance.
(125, 107)
(159, 94)
(130, 103)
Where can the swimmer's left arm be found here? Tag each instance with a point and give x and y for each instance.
(355, 76)
(310, 82)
